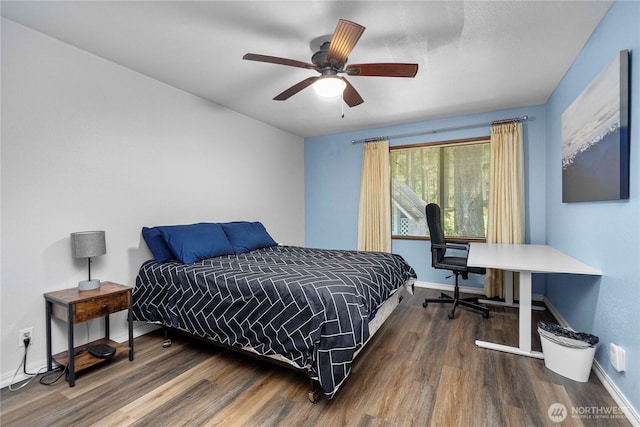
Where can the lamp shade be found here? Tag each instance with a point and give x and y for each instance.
(87, 244)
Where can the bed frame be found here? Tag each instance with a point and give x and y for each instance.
(314, 393)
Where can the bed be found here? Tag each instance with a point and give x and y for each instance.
(311, 309)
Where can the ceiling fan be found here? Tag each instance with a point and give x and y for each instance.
(331, 60)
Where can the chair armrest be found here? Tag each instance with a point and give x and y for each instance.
(451, 245)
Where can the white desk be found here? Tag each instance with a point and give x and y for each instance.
(524, 259)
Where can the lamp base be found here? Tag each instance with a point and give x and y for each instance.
(88, 285)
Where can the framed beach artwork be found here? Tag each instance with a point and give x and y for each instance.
(595, 138)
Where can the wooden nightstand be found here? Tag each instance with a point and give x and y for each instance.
(73, 307)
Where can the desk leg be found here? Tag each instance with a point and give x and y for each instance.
(508, 287)
(524, 320)
(525, 311)
(508, 295)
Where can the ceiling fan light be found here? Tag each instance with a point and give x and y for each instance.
(329, 86)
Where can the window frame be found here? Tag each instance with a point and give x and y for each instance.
(439, 144)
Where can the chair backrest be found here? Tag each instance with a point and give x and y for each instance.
(436, 231)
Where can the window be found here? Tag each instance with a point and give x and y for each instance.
(453, 174)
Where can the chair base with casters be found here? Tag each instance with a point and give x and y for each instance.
(455, 300)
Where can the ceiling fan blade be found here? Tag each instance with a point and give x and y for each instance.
(296, 88)
(276, 60)
(350, 95)
(382, 70)
(343, 41)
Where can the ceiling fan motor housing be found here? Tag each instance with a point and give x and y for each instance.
(320, 59)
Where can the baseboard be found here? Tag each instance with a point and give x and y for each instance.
(632, 415)
(561, 320)
(448, 287)
(35, 366)
(464, 289)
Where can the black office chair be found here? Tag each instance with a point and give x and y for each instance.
(456, 264)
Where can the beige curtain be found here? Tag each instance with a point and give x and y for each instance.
(374, 221)
(506, 197)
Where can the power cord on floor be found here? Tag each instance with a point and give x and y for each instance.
(62, 369)
(23, 365)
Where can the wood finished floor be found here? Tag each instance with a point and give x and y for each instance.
(420, 369)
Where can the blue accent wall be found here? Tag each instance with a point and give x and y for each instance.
(602, 234)
(333, 167)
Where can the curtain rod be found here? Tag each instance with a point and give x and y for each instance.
(475, 125)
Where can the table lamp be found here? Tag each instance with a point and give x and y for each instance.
(87, 244)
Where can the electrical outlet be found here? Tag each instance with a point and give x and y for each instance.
(616, 356)
(24, 333)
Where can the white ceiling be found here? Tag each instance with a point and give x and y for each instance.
(474, 56)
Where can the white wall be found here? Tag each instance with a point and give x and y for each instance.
(88, 144)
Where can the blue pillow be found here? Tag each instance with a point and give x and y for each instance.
(157, 245)
(194, 242)
(247, 236)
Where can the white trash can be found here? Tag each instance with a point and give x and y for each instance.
(566, 355)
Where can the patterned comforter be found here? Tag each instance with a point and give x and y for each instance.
(311, 306)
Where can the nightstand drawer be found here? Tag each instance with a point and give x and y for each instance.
(100, 306)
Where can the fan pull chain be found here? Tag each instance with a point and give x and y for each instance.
(342, 103)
